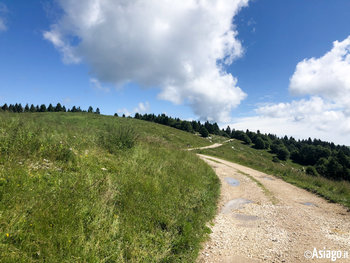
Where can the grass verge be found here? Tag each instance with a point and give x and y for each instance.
(261, 160)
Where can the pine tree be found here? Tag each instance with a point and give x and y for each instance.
(43, 108)
(58, 107)
(19, 108)
(32, 108)
(5, 107)
(97, 111)
(50, 108)
(90, 110)
(26, 108)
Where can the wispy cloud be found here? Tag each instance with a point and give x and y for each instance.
(96, 84)
(142, 107)
(3, 12)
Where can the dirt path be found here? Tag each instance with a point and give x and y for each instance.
(215, 145)
(273, 222)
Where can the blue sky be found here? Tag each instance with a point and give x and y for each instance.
(104, 54)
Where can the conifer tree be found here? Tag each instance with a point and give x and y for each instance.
(58, 107)
(32, 108)
(50, 108)
(43, 108)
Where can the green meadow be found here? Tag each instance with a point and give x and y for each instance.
(80, 187)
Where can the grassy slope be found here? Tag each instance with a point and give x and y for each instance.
(261, 160)
(65, 198)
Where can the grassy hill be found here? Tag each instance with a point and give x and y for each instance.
(88, 188)
(262, 160)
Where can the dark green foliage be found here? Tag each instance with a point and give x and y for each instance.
(259, 143)
(193, 126)
(283, 153)
(50, 108)
(97, 111)
(240, 135)
(310, 170)
(26, 108)
(32, 108)
(90, 110)
(275, 159)
(186, 126)
(58, 107)
(334, 168)
(203, 132)
(42, 108)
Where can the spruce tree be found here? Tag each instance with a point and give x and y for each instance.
(43, 108)
(50, 108)
(5, 107)
(58, 107)
(32, 108)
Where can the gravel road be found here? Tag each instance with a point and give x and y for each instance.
(273, 222)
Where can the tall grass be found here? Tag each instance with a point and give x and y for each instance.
(87, 188)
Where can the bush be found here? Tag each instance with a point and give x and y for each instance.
(282, 153)
(259, 143)
(310, 170)
(275, 159)
(203, 132)
(118, 138)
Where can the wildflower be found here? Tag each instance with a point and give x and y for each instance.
(7, 234)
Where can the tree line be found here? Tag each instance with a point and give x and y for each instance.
(189, 126)
(18, 108)
(320, 158)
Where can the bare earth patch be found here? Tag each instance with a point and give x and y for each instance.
(253, 226)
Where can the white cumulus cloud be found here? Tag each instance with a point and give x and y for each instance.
(326, 114)
(180, 47)
(301, 119)
(327, 76)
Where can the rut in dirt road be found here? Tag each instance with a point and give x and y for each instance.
(264, 219)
